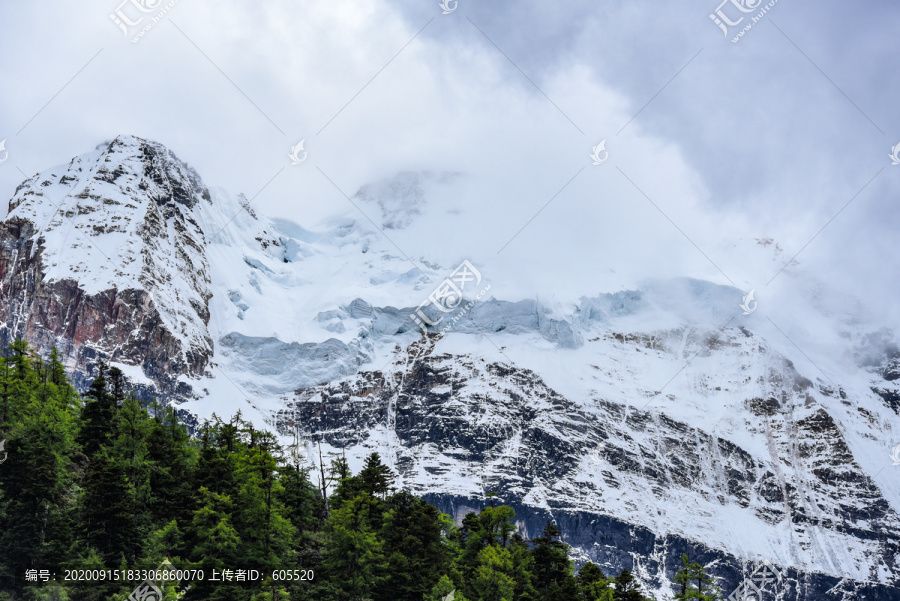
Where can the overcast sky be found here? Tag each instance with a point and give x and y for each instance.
(712, 144)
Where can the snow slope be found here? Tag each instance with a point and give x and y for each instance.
(664, 407)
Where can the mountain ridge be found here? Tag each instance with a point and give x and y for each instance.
(741, 453)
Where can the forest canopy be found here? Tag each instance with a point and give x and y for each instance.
(103, 483)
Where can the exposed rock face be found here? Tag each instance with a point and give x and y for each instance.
(616, 544)
(889, 387)
(598, 468)
(118, 271)
(740, 457)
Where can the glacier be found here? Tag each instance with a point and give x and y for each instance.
(645, 422)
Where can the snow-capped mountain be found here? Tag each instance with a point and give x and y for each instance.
(646, 422)
(105, 256)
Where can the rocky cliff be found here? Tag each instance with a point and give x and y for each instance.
(645, 422)
(625, 485)
(104, 258)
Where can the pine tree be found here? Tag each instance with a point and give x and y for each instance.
(172, 460)
(265, 532)
(97, 415)
(554, 579)
(56, 371)
(216, 467)
(346, 485)
(107, 504)
(375, 478)
(166, 542)
(693, 582)
(493, 579)
(215, 542)
(706, 588)
(301, 502)
(354, 555)
(130, 449)
(116, 384)
(627, 588)
(84, 590)
(683, 578)
(36, 476)
(593, 583)
(523, 564)
(414, 548)
(491, 527)
(19, 381)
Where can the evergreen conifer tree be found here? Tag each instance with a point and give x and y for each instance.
(553, 579)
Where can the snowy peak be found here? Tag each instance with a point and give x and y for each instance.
(116, 216)
(120, 224)
(649, 421)
(126, 166)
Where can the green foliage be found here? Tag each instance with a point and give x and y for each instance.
(442, 590)
(354, 554)
(105, 481)
(491, 527)
(593, 585)
(172, 464)
(553, 579)
(494, 575)
(692, 582)
(414, 548)
(346, 487)
(627, 588)
(97, 415)
(36, 477)
(375, 479)
(523, 565)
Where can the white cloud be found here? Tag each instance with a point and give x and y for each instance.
(750, 140)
